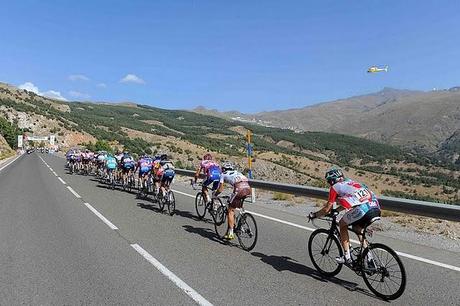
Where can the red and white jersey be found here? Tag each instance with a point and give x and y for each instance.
(349, 194)
(232, 178)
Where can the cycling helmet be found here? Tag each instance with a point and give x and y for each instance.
(164, 157)
(207, 156)
(333, 175)
(228, 166)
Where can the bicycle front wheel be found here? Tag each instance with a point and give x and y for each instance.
(220, 224)
(200, 205)
(323, 248)
(246, 231)
(171, 203)
(383, 271)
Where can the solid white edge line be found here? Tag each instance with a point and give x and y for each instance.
(62, 181)
(74, 192)
(176, 280)
(428, 261)
(183, 193)
(10, 162)
(421, 259)
(104, 219)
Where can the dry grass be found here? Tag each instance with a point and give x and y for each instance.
(280, 196)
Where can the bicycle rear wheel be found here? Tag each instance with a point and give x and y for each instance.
(383, 271)
(171, 202)
(246, 231)
(200, 205)
(323, 248)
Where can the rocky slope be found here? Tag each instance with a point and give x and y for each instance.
(423, 121)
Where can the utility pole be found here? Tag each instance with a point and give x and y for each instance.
(249, 150)
(250, 154)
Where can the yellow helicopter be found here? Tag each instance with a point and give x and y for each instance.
(375, 69)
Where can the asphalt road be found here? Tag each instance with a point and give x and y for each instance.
(90, 245)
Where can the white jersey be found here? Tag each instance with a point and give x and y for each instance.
(119, 157)
(232, 177)
(167, 165)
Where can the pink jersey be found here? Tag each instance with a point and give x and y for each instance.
(207, 166)
(349, 194)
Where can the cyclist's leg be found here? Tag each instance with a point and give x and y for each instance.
(349, 218)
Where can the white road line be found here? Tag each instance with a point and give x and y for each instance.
(62, 181)
(183, 193)
(429, 261)
(74, 193)
(104, 219)
(9, 163)
(176, 280)
(421, 259)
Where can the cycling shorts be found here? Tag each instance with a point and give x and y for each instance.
(168, 176)
(240, 191)
(361, 215)
(143, 171)
(214, 179)
(111, 166)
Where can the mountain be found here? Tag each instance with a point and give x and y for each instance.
(280, 154)
(422, 121)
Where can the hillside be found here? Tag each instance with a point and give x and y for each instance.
(5, 149)
(421, 121)
(292, 156)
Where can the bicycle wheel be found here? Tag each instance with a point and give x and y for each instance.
(220, 218)
(161, 201)
(383, 271)
(200, 205)
(246, 231)
(171, 202)
(323, 248)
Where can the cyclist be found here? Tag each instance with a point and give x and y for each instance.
(127, 165)
(212, 171)
(118, 174)
(360, 203)
(86, 158)
(241, 190)
(100, 157)
(144, 164)
(110, 164)
(166, 173)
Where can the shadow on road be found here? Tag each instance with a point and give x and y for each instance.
(203, 232)
(149, 206)
(284, 263)
(189, 215)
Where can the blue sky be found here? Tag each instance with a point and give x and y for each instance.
(244, 55)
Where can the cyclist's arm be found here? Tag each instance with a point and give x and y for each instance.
(197, 173)
(330, 203)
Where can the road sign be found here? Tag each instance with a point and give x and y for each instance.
(20, 141)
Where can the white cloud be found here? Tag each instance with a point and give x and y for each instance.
(53, 94)
(101, 85)
(29, 87)
(132, 78)
(79, 95)
(78, 77)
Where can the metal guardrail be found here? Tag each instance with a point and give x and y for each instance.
(420, 208)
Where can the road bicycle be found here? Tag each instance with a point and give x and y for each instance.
(380, 267)
(167, 199)
(201, 206)
(245, 227)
